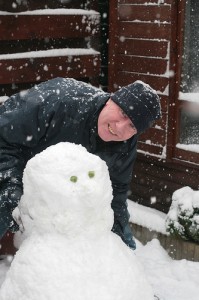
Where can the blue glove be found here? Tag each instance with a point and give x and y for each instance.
(125, 234)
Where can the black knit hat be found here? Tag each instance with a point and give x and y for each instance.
(140, 102)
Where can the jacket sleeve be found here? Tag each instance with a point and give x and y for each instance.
(29, 122)
(20, 130)
(121, 174)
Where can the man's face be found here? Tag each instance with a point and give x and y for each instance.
(114, 124)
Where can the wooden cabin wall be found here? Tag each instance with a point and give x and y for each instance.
(22, 34)
(143, 46)
(139, 47)
(154, 182)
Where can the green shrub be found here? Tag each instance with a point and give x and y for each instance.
(183, 217)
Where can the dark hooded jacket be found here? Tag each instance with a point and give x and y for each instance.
(56, 111)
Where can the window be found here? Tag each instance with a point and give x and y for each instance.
(188, 137)
(190, 68)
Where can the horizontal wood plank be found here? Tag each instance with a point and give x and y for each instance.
(144, 194)
(144, 30)
(156, 136)
(21, 46)
(145, 2)
(148, 148)
(23, 5)
(44, 68)
(19, 27)
(176, 247)
(187, 156)
(156, 82)
(144, 179)
(141, 47)
(152, 13)
(147, 65)
(169, 172)
(169, 176)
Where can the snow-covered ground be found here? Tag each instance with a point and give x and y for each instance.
(171, 279)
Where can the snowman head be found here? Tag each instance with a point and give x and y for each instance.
(68, 190)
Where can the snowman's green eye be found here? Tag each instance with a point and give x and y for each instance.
(73, 178)
(91, 174)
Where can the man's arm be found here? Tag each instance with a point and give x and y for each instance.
(11, 170)
(19, 131)
(29, 122)
(121, 174)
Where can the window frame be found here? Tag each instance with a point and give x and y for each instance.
(179, 154)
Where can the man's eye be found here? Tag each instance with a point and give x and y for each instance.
(123, 114)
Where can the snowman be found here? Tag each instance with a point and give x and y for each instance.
(68, 251)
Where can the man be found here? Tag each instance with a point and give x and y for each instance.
(72, 111)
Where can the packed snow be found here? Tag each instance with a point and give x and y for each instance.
(170, 279)
(56, 11)
(190, 147)
(192, 97)
(67, 248)
(50, 53)
(147, 217)
(43, 239)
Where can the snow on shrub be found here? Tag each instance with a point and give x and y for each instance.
(183, 217)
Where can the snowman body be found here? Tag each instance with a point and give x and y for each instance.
(68, 250)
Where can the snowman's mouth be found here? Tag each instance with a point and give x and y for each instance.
(111, 130)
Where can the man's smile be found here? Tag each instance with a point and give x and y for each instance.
(111, 130)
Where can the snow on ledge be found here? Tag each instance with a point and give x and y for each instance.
(192, 97)
(190, 147)
(58, 11)
(160, 156)
(147, 217)
(50, 53)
